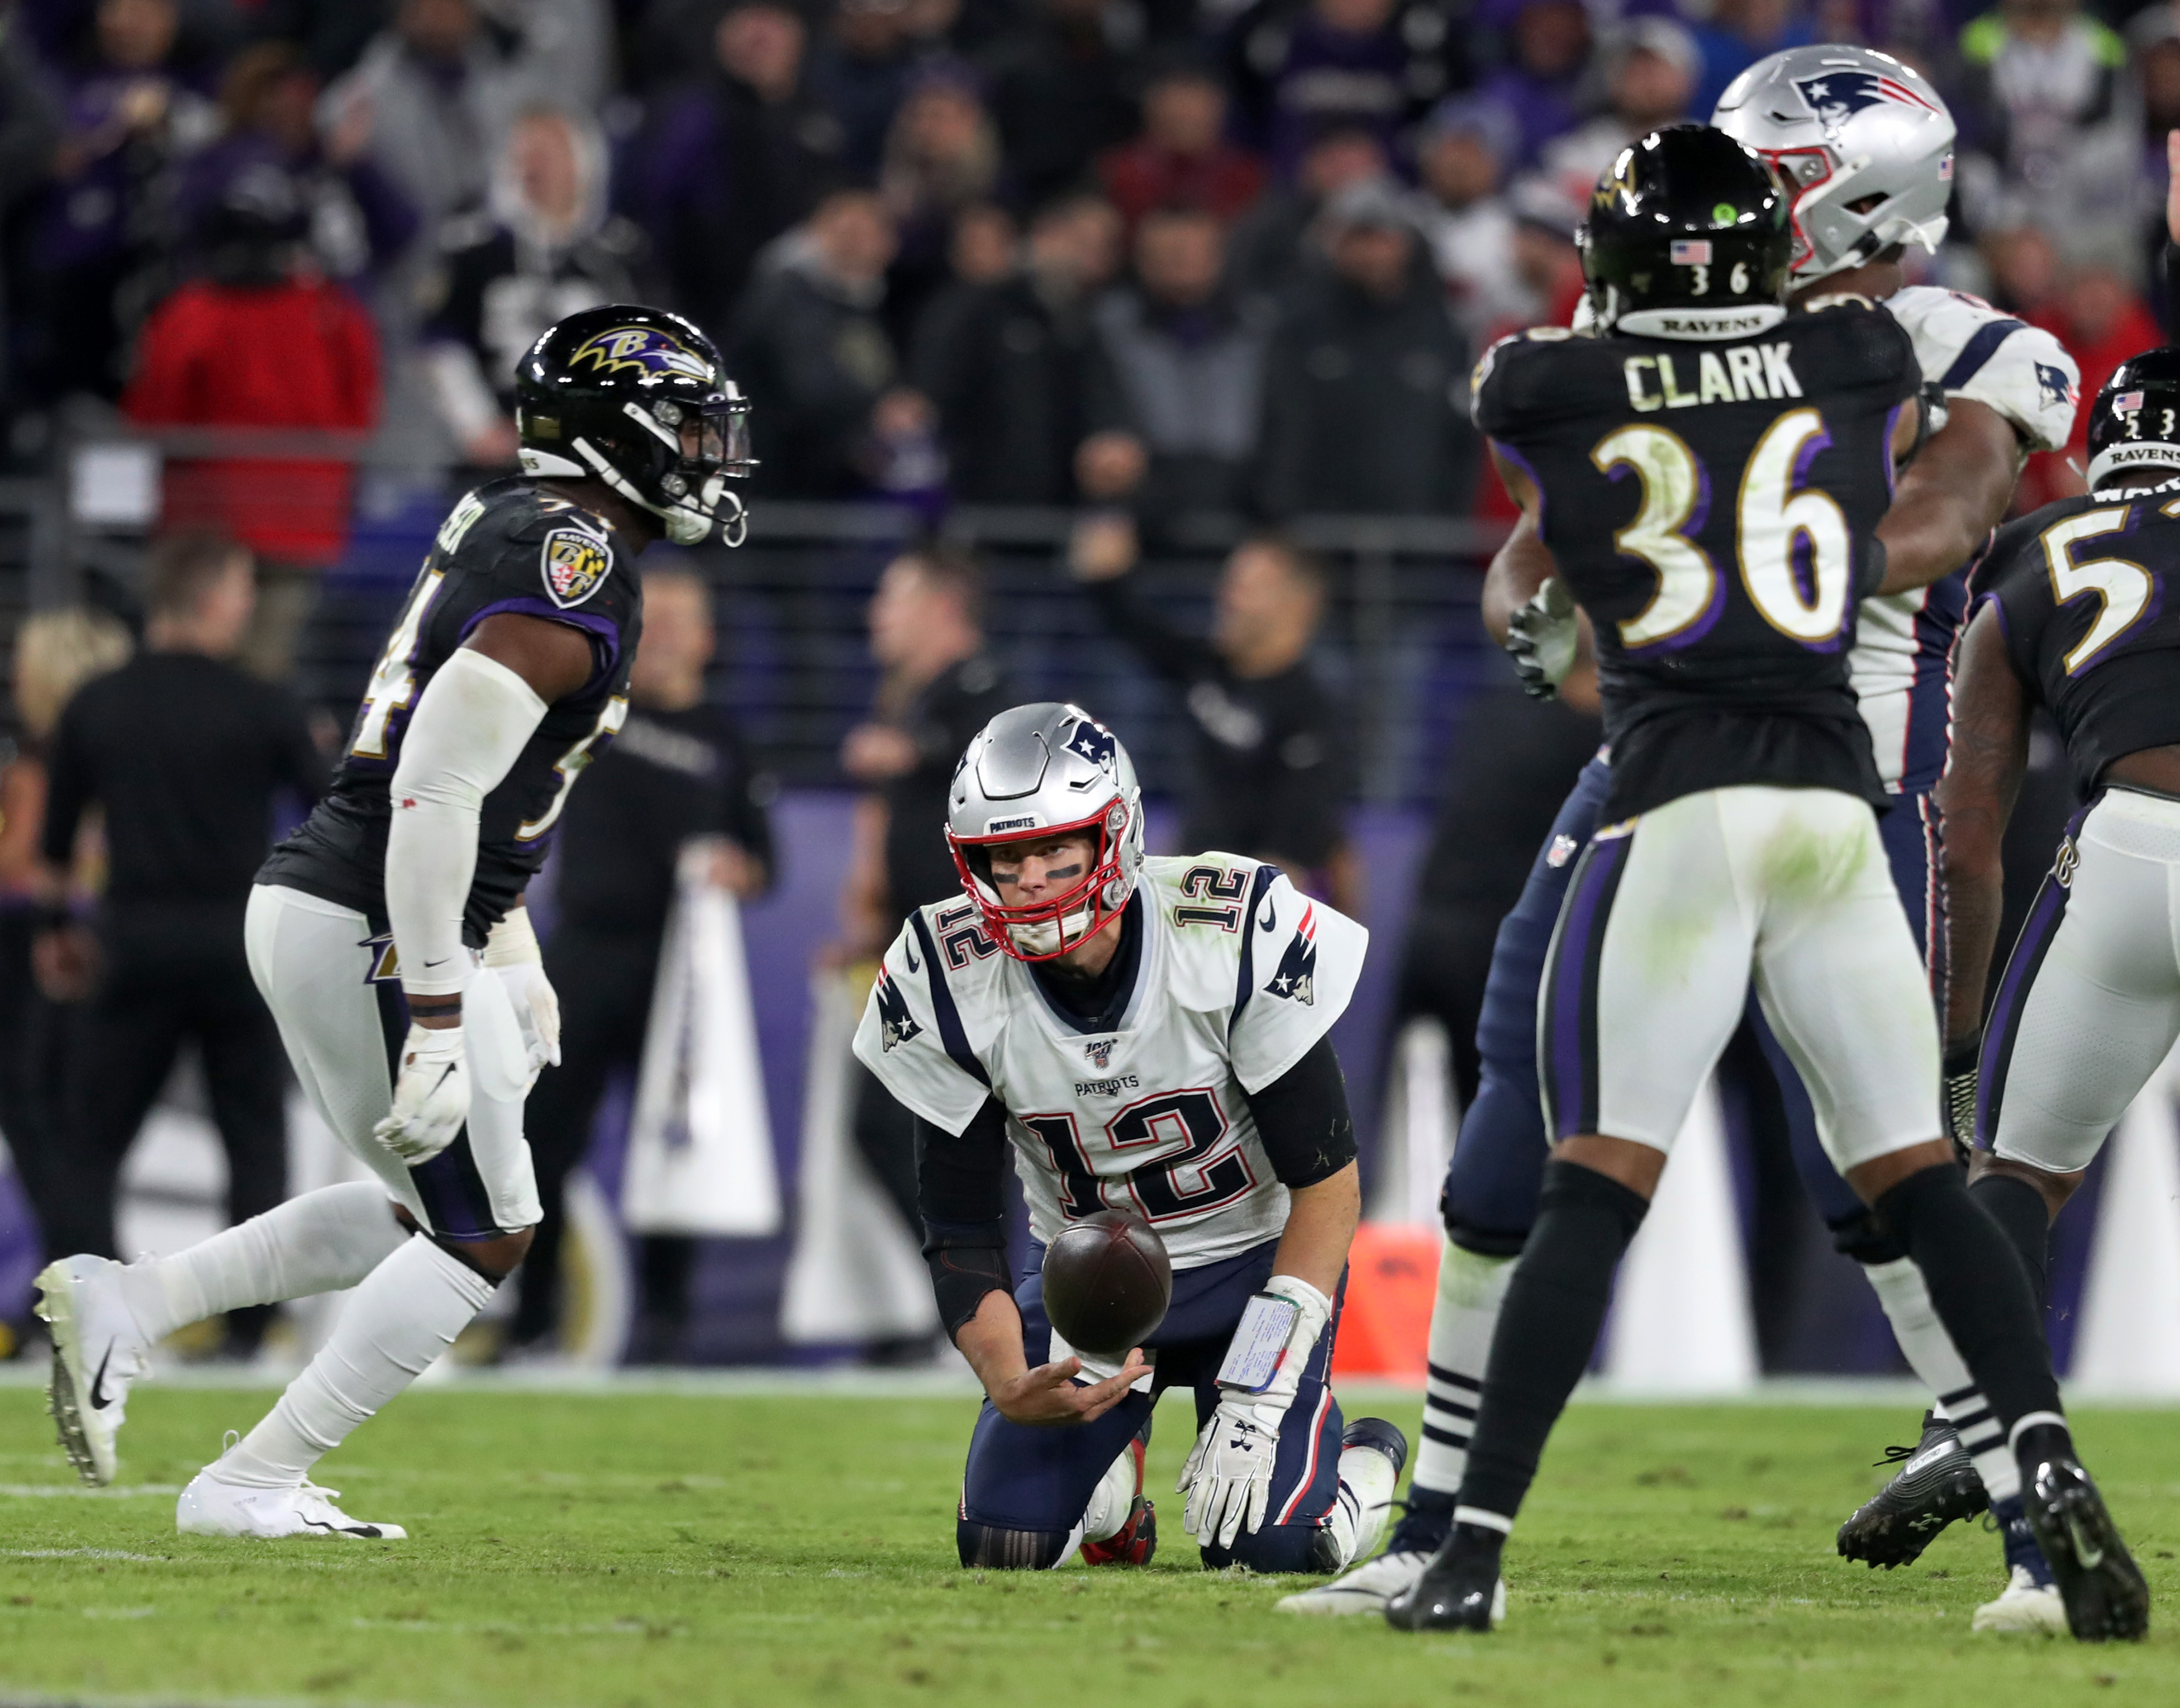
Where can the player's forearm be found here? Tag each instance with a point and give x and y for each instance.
(1520, 567)
(469, 729)
(1975, 896)
(1951, 497)
(991, 1342)
(1321, 1223)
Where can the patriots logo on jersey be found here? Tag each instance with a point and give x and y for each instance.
(1093, 742)
(639, 349)
(1100, 1053)
(2057, 387)
(1837, 95)
(575, 564)
(896, 1025)
(1296, 980)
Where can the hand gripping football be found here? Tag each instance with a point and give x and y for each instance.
(1107, 1283)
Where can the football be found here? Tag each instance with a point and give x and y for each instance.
(1107, 1283)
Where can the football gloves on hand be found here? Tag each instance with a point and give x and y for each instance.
(1228, 1478)
(1542, 638)
(537, 1012)
(431, 1094)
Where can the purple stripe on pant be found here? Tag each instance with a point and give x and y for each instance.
(1571, 996)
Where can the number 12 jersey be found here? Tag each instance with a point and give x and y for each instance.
(1239, 975)
(1712, 507)
(507, 546)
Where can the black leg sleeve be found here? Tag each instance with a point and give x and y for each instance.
(1978, 1286)
(1555, 1304)
(2019, 1208)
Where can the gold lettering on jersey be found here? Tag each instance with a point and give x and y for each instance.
(1747, 372)
(459, 522)
(1675, 399)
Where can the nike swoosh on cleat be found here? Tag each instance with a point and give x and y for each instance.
(98, 1402)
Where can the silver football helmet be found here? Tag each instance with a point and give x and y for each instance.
(1041, 770)
(1863, 141)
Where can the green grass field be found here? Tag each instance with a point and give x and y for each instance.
(614, 1549)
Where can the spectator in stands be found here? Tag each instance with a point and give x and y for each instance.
(1737, 34)
(1365, 399)
(359, 219)
(1651, 68)
(1271, 779)
(95, 253)
(2153, 39)
(938, 688)
(1545, 254)
(983, 250)
(679, 783)
(263, 340)
(29, 133)
(1061, 91)
(545, 249)
(1007, 365)
(1182, 377)
(186, 756)
(812, 342)
(1543, 85)
(2035, 75)
(942, 158)
(861, 74)
(1181, 158)
(1346, 65)
(2101, 319)
(1269, 246)
(736, 163)
(1462, 150)
(55, 653)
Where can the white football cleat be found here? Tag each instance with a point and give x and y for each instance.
(2026, 1605)
(1363, 1588)
(210, 1507)
(98, 1351)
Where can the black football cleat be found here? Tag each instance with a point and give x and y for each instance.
(2097, 1577)
(1936, 1484)
(1460, 1590)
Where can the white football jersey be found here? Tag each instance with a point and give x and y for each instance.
(1241, 973)
(1902, 661)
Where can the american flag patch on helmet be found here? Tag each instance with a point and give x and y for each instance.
(1690, 252)
(2127, 402)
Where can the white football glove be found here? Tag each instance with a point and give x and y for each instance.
(431, 1094)
(1542, 637)
(1228, 1478)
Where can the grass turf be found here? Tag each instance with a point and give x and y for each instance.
(620, 1549)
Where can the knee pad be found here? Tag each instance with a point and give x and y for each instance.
(1867, 1240)
(986, 1547)
(1485, 1242)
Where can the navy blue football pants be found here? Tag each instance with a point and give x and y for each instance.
(1039, 1479)
(1491, 1186)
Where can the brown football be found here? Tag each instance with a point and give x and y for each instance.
(1107, 1283)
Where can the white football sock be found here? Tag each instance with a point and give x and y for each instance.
(404, 1314)
(319, 1243)
(1470, 1289)
(1362, 1504)
(1906, 1297)
(1112, 1500)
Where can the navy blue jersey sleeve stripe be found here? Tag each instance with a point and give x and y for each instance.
(1245, 986)
(1977, 351)
(942, 1006)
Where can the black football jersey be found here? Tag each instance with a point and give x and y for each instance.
(2080, 586)
(507, 546)
(1710, 506)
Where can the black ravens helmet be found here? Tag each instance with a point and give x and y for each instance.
(2136, 418)
(1688, 237)
(637, 396)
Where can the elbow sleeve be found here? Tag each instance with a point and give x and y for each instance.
(967, 1260)
(1302, 1119)
(469, 729)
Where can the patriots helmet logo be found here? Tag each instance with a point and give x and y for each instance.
(1296, 980)
(896, 1025)
(640, 351)
(1837, 95)
(1092, 742)
(2057, 387)
(1100, 1053)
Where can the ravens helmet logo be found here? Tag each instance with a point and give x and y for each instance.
(639, 349)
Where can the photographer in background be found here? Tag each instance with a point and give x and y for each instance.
(678, 772)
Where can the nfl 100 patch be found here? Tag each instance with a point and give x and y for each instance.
(575, 564)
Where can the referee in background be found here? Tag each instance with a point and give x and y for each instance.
(184, 755)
